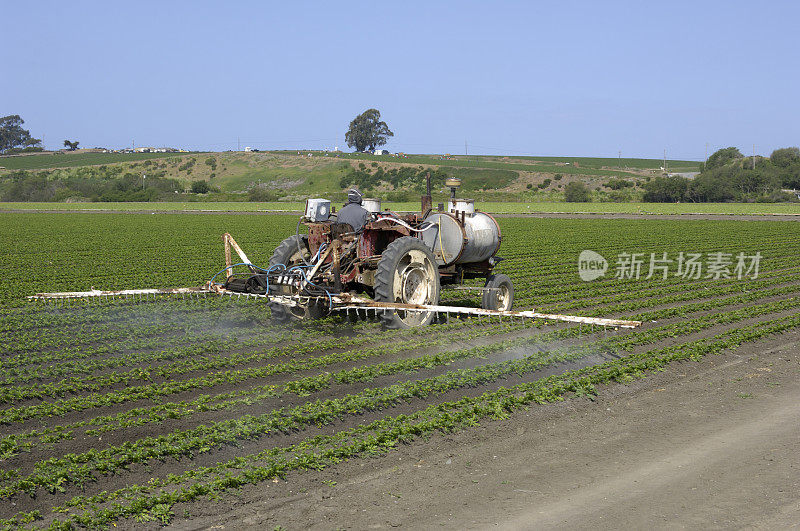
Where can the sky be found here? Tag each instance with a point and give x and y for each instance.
(567, 78)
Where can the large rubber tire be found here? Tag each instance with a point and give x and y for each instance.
(287, 253)
(407, 273)
(500, 296)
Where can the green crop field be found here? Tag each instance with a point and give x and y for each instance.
(492, 207)
(138, 412)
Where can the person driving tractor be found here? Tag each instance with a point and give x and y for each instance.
(352, 213)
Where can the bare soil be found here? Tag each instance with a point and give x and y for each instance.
(708, 444)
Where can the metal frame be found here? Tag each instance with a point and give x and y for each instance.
(230, 242)
(338, 302)
(342, 302)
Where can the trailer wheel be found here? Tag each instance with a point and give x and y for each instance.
(287, 253)
(407, 273)
(499, 295)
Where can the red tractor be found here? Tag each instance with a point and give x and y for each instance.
(397, 259)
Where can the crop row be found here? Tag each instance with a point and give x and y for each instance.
(191, 356)
(161, 389)
(203, 438)
(383, 434)
(164, 411)
(305, 386)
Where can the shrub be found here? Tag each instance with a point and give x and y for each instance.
(200, 187)
(29, 149)
(576, 192)
(666, 189)
(187, 166)
(261, 194)
(617, 184)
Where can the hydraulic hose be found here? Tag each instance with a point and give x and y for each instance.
(406, 225)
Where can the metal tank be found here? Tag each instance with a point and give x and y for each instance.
(461, 205)
(371, 204)
(462, 237)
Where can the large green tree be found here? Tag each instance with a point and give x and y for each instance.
(785, 157)
(12, 135)
(367, 131)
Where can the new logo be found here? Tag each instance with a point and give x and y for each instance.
(591, 265)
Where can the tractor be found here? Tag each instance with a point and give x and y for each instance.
(402, 259)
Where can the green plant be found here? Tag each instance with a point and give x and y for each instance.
(576, 192)
(200, 187)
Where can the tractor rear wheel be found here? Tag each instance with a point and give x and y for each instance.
(407, 273)
(288, 254)
(499, 294)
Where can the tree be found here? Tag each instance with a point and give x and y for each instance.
(723, 156)
(367, 131)
(785, 157)
(12, 135)
(666, 189)
(200, 187)
(576, 192)
(712, 187)
(72, 146)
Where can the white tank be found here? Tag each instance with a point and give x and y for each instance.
(452, 242)
(461, 205)
(373, 205)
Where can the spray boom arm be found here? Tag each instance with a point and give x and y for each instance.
(338, 302)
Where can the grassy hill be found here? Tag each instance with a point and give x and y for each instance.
(292, 175)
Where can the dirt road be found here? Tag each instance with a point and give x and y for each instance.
(709, 444)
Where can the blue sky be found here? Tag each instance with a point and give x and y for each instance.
(542, 78)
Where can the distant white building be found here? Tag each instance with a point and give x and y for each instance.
(248, 149)
(381, 152)
(155, 150)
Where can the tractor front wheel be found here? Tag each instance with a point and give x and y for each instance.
(407, 273)
(288, 254)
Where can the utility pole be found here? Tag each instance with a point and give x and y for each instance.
(706, 159)
(466, 152)
(665, 161)
(619, 158)
(238, 144)
(754, 156)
